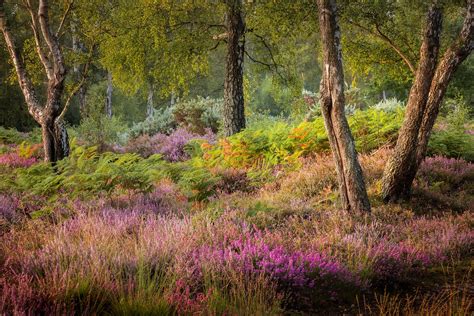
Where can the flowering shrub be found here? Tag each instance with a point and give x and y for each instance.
(233, 180)
(171, 146)
(8, 208)
(129, 235)
(183, 299)
(14, 160)
(397, 261)
(453, 171)
(290, 269)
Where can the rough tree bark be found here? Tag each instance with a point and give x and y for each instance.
(55, 139)
(448, 65)
(108, 99)
(234, 117)
(350, 176)
(423, 104)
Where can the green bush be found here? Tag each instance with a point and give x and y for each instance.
(194, 179)
(275, 143)
(450, 137)
(86, 172)
(101, 131)
(11, 136)
(196, 115)
(162, 121)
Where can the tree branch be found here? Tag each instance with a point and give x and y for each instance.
(51, 40)
(387, 40)
(23, 78)
(79, 85)
(275, 65)
(34, 25)
(66, 12)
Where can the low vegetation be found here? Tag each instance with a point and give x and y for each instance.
(250, 224)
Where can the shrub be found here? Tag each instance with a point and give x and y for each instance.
(11, 136)
(199, 114)
(87, 172)
(449, 170)
(450, 137)
(9, 208)
(279, 143)
(162, 121)
(233, 180)
(172, 147)
(100, 130)
(389, 105)
(14, 160)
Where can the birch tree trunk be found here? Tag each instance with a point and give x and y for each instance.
(399, 168)
(77, 47)
(448, 65)
(108, 99)
(425, 98)
(149, 102)
(49, 115)
(351, 180)
(234, 116)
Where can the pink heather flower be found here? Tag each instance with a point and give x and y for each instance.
(451, 169)
(8, 207)
(288, 268)
(171, 146)
(12, 159)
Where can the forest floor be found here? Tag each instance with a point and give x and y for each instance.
(246, 247)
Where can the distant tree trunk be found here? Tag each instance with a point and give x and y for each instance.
(234, 116)
(423, 104)
(351, 180)
(149, 102)
(81, 95)
(49, 116)
(77, 47)
(172, 99)
(108, 99)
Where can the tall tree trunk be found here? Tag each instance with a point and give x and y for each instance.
(234, 116)
(426, 95)
(108, 99)
(55, 140)
(351, 180)
(49, 116)
(448, 65)
(401, 165)
(149, 102)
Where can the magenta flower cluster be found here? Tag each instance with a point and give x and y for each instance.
(171, 146)
(448, 169)
(9, 208)
(253, 256)
(185, 302)
(12, 159)
(393, 261)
